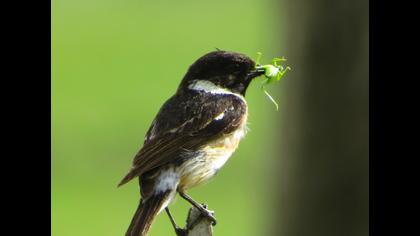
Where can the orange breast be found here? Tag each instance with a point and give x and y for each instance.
(200, 169)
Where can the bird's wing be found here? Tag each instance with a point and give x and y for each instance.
(185, 126)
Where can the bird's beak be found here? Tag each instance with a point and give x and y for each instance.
(255, 73)
(243, 85)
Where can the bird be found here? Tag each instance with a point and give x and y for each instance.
(192, 136)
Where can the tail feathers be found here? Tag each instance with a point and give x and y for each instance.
(145, 214)
(127, 178)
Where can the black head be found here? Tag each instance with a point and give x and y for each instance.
(230, 70)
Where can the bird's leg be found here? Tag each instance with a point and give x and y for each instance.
(179, 231)
(200, 207)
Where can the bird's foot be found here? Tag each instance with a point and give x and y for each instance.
(207, 213)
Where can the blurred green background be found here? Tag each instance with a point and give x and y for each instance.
(300, 171)
(114, 63)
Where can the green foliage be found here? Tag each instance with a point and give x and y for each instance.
(114, 63)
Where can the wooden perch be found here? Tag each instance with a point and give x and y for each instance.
(198, 224)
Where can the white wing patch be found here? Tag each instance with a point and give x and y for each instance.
(180, 128)
(220, 116)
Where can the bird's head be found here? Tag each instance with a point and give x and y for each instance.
(228, 70)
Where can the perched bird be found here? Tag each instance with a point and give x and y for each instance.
(192, 136)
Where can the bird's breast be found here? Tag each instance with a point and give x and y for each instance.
(213, 156)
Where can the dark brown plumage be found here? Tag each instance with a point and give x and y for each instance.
(193, 134)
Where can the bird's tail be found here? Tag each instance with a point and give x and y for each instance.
(146, 213)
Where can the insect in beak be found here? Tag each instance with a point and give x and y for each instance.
(272, 72)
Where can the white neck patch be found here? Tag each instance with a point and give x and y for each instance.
(208, 87)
